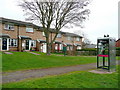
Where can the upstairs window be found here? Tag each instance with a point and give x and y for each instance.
(9, 26)
(29, 29)
(43, 33)
(59, 35)
(13, 42)
(77, 39)
(68, 38)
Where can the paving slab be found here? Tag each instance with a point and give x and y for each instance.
(8, 53)
(34, 53)
(100, 71)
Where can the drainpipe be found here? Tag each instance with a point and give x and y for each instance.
(18, 38)
(51, 41)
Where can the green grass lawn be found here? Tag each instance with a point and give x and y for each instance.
(78, 79)
(118, 58)
(25, 60)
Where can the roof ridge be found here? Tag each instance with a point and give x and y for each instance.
(29, 23)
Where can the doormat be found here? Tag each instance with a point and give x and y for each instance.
(34, 53)
(8, 53)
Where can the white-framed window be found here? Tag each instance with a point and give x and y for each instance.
(29, 29)
(67, 47)
(13, 42)
(9, 26)
(59, 35)
(43, 33)
(33, 43)
(68, 38)
(77, 39)
(61, 47)
(56, 46)
(71, 47)
(78, 47)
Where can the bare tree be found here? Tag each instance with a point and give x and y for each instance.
(80, 32)
(85, 40)
(55, 14)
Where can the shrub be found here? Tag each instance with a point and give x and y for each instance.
(117, 48)
(87, 51)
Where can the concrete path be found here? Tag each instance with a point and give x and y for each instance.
(33, 53)
(8, 53)
(20, 75)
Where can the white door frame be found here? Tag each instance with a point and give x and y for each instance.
(44, 48)
(0, 44)
(7, 44)
(29, 44)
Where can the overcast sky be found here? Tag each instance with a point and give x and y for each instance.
(102, 20)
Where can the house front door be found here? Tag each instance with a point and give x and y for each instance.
(27, 44)
(4, 44)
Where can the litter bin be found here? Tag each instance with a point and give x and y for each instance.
(64, 50)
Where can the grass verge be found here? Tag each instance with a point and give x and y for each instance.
(78, 79)
(25, 60)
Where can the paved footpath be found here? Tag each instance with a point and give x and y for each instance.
(20, 75)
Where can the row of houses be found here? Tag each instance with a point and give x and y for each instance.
(20, 36)
(118, 43)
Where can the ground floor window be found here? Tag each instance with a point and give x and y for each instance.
(13, 42)
(56, 46)
(33, 43)
(78, 47)
(71, 47)
(43, 47)
(61, 47)
(67, 47)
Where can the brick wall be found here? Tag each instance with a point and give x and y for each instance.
(12, 33)
(118, 43)
(0, 38)
(37, 34)
(33, 35)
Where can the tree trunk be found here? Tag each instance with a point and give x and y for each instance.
(48, 46)
(48, 49)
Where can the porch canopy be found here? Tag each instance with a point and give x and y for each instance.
(77, 44)
(4, 35)
(57, 42)
(68, 44)
(41, 41)
(24, 37)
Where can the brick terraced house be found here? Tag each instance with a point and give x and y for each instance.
(118, 43)
(20, 36)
